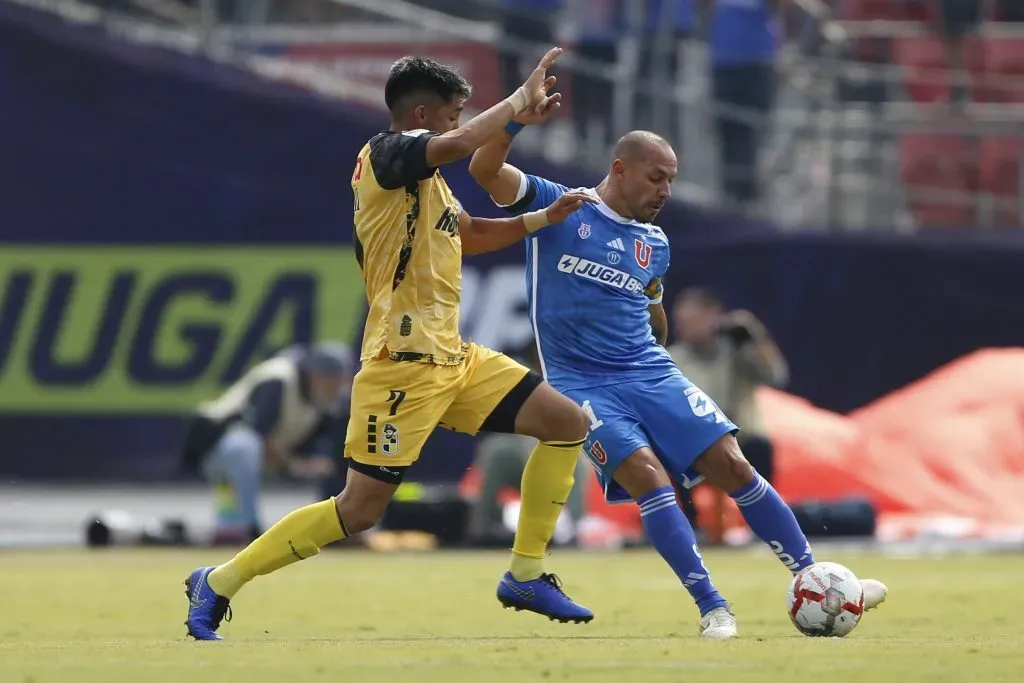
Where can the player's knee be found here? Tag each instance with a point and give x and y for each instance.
(564, 422)
(730, 470)
(641, 473)
(355, 517)
(740, 471)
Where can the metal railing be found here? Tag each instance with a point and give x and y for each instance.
(834, 153)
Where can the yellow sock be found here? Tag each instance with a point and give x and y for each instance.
(547, 481)
(298, 536)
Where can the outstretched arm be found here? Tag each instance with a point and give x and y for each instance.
(464, 140)
(488, 167)
(481, 235)
(501, 180)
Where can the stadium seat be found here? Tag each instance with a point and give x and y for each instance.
(870, 10)
(888, 10)
(919, 10)
(926, 68)
(1000, 176)
(939, 174)
(1004, 68)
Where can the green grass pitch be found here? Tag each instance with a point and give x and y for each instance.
(116, 617)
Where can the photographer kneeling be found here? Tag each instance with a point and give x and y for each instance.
(728, 355)
(283, 413)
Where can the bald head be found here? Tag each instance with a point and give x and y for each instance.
(639, 144)
(642, 173)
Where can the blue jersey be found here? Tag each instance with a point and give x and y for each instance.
(590, 280)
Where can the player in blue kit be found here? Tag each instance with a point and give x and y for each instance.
(595, 291)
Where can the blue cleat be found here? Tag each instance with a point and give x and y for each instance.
(543, 595)
(206, 609)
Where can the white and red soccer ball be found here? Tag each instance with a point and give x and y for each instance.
(826, 599)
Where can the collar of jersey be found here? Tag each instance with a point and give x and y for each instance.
(607, 210)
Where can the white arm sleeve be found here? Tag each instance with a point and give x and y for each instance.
(523, 185)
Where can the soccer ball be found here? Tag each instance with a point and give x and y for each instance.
(825, 599)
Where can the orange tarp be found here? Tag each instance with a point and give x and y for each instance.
(945, 453)
(949, 446)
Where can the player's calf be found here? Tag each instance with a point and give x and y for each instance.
(643, 476)
(768, 516)
(534, 408)
(298, 536)
(561, 427)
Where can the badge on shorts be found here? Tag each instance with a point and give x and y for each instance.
(598, 454)
(389, 439)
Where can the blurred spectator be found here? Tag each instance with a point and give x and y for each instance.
(526, 21)
(728, 355)
(282, 409)
(668, 24)
(743, 45)
(958, 19)
(501, 459)
(1010, 10)
(598, 26)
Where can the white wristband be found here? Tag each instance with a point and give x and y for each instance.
(520, 100)
(535, 220)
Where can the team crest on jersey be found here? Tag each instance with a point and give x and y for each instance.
(584, 230)
(389, 439)
(642, 252)
(598, 454)
(613, 257)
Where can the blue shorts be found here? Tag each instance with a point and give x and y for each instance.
(669, 415)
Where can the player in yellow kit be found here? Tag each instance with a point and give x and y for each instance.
(417, 373)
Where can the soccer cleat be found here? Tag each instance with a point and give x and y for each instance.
(719, 624)
(206, 609)
(875, 593)
(543, 595)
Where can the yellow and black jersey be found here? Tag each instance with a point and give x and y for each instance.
(409, 251)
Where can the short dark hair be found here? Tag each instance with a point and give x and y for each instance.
(411, 75)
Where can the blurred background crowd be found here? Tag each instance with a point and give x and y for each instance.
(850, 112)
(847, 261)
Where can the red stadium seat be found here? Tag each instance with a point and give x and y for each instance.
(1000, 176)
(888, 10)
(926, 68)
(869, 10)
(923, 10)
(1004, 68)
(939, 176)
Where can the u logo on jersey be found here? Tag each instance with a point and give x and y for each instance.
(642, 252)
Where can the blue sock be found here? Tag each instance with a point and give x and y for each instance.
(773, 522)
(668, 530)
